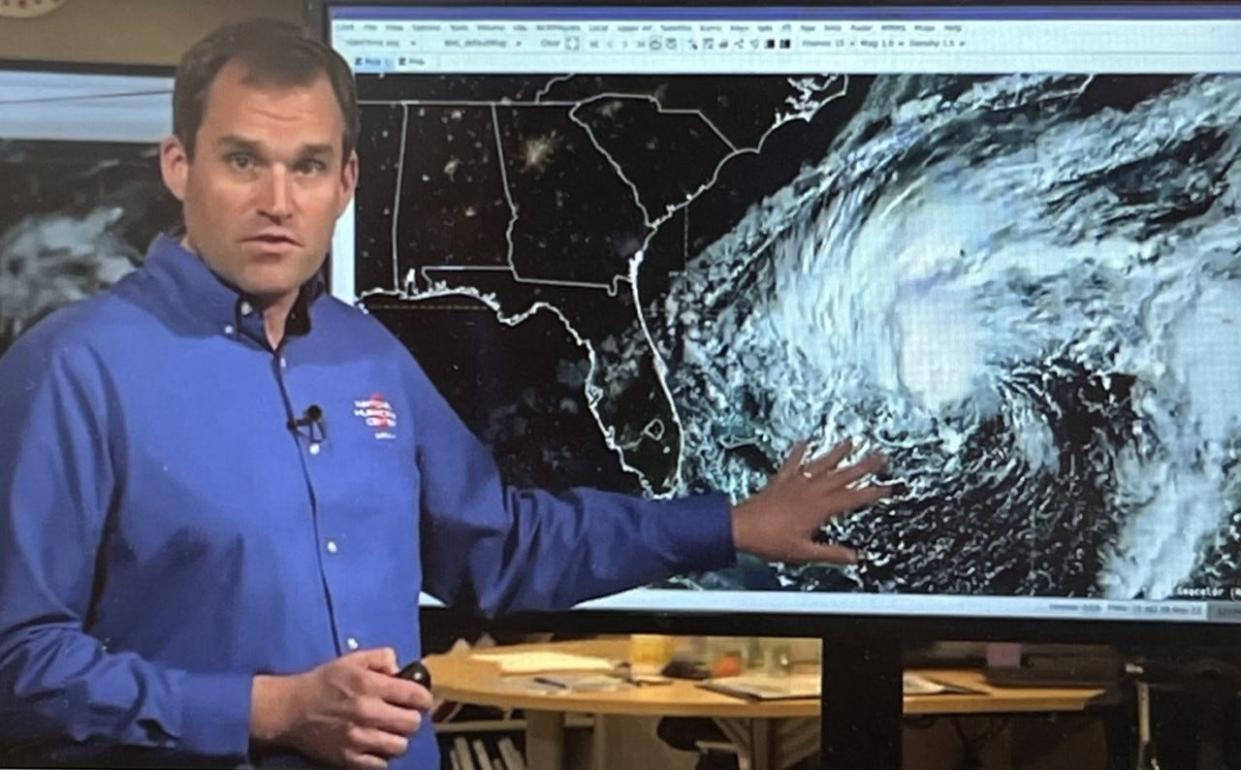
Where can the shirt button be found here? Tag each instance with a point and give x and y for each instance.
(284, 362)
(331, 546)
(314, 449)
(246, 309)
(352, 643)
(230, 330)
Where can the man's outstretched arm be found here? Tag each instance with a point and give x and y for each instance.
(505, 549)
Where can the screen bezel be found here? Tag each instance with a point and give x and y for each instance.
(88, 69)
(909, 628)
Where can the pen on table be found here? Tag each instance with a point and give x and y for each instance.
(548, 681)
(638, 680)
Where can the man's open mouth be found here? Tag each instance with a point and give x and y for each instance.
(273, 239)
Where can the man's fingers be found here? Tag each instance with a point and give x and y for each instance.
(355, 760)
(843, 501)
(382, 715)
(830, 460)
(792, 463)
(401, 692)
(830, 552)
(843, 477)
(376, 743)
(381, 659)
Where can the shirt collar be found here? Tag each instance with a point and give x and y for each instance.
(202, 293)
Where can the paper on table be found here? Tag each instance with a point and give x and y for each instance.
(794, 686)
(536, 662)
(917, 684)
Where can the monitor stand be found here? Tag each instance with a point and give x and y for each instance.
(862, 707)
(1207, 681)
(862, 712)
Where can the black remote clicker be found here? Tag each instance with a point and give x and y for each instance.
(416, 673)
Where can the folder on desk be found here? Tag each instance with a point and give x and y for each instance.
(757, 687)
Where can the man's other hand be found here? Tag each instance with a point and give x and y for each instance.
(780, 522)
(350, 712)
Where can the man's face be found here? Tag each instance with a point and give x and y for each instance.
(266, 183)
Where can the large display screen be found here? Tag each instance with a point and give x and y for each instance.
(649, 248)
(80, 190)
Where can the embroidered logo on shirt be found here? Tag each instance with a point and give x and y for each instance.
(378, 415)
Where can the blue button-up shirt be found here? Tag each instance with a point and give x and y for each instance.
(166, 533)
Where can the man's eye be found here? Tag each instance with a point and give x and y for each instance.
(240, 161)
(311, 167)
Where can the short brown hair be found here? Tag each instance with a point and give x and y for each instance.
(272, 51)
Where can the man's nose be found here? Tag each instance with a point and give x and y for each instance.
(276, 201)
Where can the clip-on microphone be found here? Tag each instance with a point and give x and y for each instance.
(312, 415)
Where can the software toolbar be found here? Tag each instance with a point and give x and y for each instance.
(748, 45)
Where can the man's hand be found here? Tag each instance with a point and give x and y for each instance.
(351, 712)
(779, 523)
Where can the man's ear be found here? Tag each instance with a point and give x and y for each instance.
(174, 166)
(348, 181)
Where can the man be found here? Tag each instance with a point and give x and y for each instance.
(205, 557)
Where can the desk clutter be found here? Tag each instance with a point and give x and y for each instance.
(749, 687)
(550, 672)
(561, 703)
(764, 687)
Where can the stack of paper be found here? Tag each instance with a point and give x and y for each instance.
(539, 662)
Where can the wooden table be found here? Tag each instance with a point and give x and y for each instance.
(769, 735)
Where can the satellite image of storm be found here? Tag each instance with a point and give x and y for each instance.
(1024, 289)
